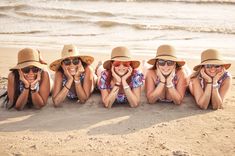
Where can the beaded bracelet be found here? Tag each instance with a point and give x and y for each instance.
(126, 87)
(170, 86)
(66, 87)
(77, 81)
(215, 85)
(26, 87)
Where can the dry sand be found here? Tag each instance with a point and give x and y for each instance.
(90, 129)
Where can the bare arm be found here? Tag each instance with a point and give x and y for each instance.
(11, 87)
(39, 98)
(218, 94)
(23, 97)
(60, 92)
(84, 91)
(202, 97)
(108, 97)
(133, 96)
(177, 94)
(153, 93)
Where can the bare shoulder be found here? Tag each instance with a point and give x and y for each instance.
(194, 80)
(11, 76)
(181, 72)
(228, 78)
(89, 69)
(58, 75)
(151, 73)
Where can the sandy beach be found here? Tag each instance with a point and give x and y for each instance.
(90, 129)
(96, 27)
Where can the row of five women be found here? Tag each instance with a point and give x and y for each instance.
(118, 79)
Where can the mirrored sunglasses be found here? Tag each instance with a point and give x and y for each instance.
(163, 62)
(212, 65)
(118, 63)
(68, 62)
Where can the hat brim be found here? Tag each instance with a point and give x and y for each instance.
(216, 62)
(26, 64)
(179, 62)
(54, 66)
(134, 63)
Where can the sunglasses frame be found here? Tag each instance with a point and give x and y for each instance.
(118, 63)
(212, 65)
(168, 62)
(68, 61)
(27, 70)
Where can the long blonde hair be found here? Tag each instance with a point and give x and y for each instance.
(195, 73)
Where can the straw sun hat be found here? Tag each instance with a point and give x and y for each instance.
(70, 51)
(166, 52)
(28, 57)
(121, 54)
(211, 56)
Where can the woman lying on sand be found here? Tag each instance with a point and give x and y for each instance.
(119, 81)
(28, 81)
(74, 78)
(210, 82)
(166, 81)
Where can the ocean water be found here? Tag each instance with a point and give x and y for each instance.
(98, 26)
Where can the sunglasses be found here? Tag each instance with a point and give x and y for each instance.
(26, 70)
(163, 62)
(212, 65)
(68, 62)
(118, 63)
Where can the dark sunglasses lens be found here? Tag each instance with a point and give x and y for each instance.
(35, 69)
(67, 62)
(161, 62)
(116, 63)
(170, 63)
(211, 65)
(76, 61)
(126, 64)
(26, 70)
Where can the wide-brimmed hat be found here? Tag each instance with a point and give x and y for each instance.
(166, 52)
(121, 54)
(70, 51)
(28, 57)
(211, 56)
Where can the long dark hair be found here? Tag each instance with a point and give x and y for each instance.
(16, 93)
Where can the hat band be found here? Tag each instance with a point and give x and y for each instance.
(166, 55)
(120, 56)
(27, 61)
(210, 60)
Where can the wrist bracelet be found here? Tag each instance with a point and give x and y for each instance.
(209, 82)
(26, 87)
(66, 87)
(117, 84)
(33, 91)
(77, 81)
(126, 87)
(215, 85)
(35, 87)
(170, 85)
